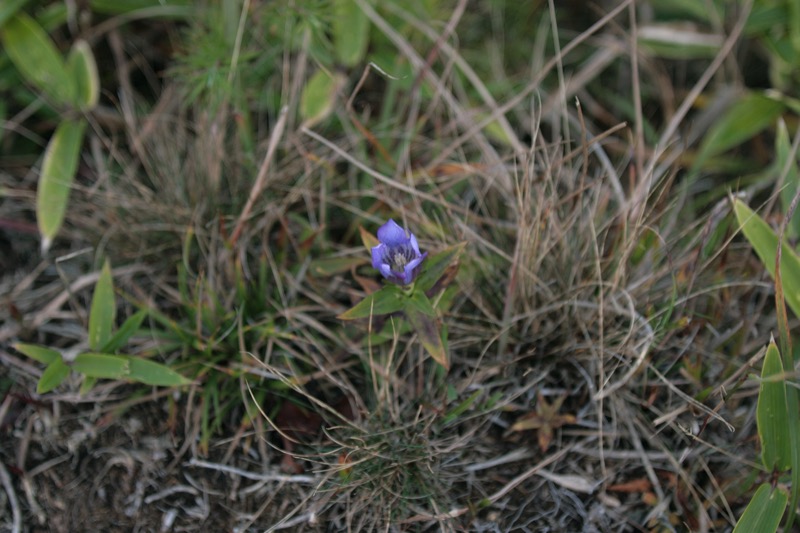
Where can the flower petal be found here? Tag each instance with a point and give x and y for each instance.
(414, 245)
(392, 234)
(378, 253)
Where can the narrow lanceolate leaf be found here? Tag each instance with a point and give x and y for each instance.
(765, 243)
(772, 415)
(387, 300)
(753, 112)
(434, 267)
(429, 334)
(82, 68)
(101, 365)
(53, 376)
(764, 512)
(128, 329)
(104, 310)
(350, 32)
(152, 373)
(786, 160)
(58, 172)
(35, 56)
(39, 353)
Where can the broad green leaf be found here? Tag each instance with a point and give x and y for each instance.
(101, 365)
(39, 353)
(58, 172)
(753, 112)
(82, 69)
(765, 243)
(319, 96)
(429, 334)
(791, 184)
(125, 332)
(152, 373)
(771, 414)
(53, 376)
(104, 310)
(9, 8)
(350, 32)
(434, 267)
(35, 56)
(763, 513)
(389, 299)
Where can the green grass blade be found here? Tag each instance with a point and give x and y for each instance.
(783, 153)
(152, 373)
(765, 243)
(771, 413)
(752, 113)
(37, 59)
(125, 332)
(104, 310)
(102, 365)
(58, 172)
(764, 512)
(53, 376)
(39, 353)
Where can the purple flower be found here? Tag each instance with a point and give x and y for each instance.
(397, 256)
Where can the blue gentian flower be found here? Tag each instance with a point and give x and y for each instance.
(397, 256)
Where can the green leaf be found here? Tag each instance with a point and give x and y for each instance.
(676, 41)
(764, 512)
(53, 376)
(154, 8)
(462, 407)
(39, 353)
(434, 267)
(58, 172)
(387, 300)
(37, 59)
(9, 8)
(101, 365)
(125, 332)
(421, 303)
(319, 97)
(765, 243)
(152, 373)
(104, 310)
(350, 32)
(429, 333)
(743, 120)
(783, 152)
(771, 414)
(328, 266)
(83, 71)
